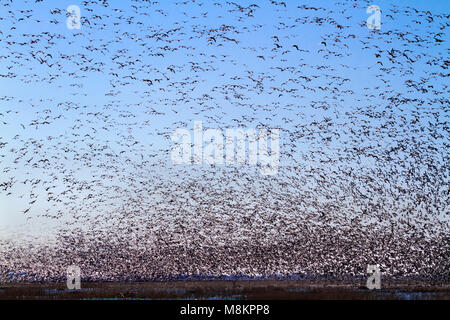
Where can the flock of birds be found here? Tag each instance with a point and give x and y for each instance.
(86, 117)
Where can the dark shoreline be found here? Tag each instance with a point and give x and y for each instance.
(392, 289)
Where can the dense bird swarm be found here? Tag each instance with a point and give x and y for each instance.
(86, 117)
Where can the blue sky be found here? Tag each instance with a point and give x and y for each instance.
(125, 114)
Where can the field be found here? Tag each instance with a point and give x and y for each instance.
(392, 289)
